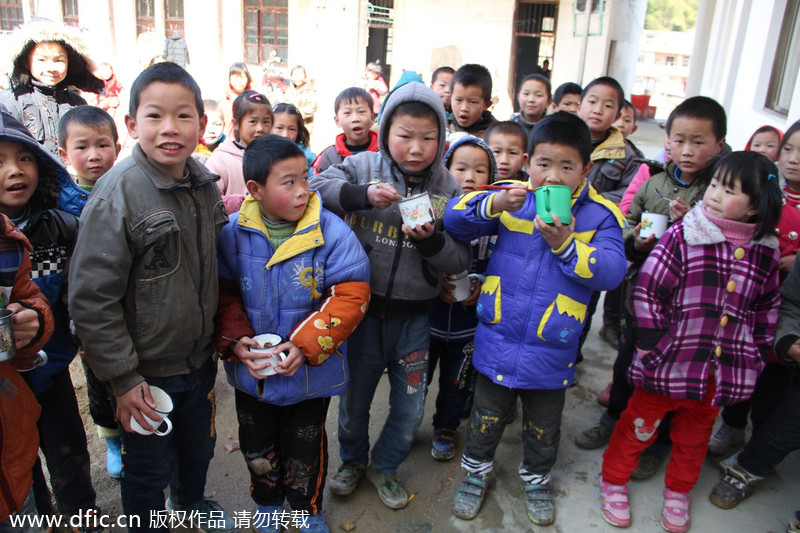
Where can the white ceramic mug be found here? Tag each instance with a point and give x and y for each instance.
(653, 224)
(462, 285)
(416, 210)
(268, 341)
(163, 406)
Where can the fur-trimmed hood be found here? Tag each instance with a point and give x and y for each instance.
(80, 67)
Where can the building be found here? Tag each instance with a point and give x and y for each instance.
(662, 68)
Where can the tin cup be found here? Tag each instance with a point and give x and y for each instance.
(163, 406)
(416, 210)
(653, 224)
(461, 285)
(8, 348)
(268, 341)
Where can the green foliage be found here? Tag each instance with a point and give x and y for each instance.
(671, 15)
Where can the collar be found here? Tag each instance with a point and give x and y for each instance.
(198, 173)
(612, 147)
(699, 230)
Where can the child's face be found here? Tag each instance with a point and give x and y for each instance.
(533, 100)
(692, 144)
(19, 177)
(626, 123)
(441, 86)
(167, 125)
(790, 160)
(767, 143)
(238, 82)
(728, 202)
(509, 153)
(286, 126)
(215, 128)
(599, 109)
(569, 103)
(355, 118)
(91, 150)
(285, 193)
(298, 77)
(469, 165)
(48, 63)
(254, 123)
(413, 142)
(557, 164)
(468, 104)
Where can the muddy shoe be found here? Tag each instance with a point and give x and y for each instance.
(736, 485)
(469, 497)
(390, 491)
(539, 503)
(346, 479)
(443, 446)
(593, 438)
(610, 334)
(724, 439)
(649, 463)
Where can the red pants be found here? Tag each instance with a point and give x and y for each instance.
(636, 430)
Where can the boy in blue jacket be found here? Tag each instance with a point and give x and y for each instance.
(313, 292)
(532, 307)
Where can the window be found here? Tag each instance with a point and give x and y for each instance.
(10, 15)
(266, 29)
(670, 60)
(685, 61)
(145, 16)
(174, 11)
(787, 62)
(69, 9)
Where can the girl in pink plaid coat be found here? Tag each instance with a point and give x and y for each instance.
(705, 304)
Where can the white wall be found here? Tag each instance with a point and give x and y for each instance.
(566, 62)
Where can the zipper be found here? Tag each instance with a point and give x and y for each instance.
(158, 224)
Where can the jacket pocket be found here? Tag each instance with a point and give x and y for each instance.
(562, 321)
(489, 308)
(653, 358)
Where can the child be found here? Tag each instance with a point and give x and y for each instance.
(697, 126)
(303, 94)
(509, 143)
(532, 306)
(353, 113)
(252, 117)
(239, 81)
(472, 164)
(440, 83)
(50, 58)
(533, 98)
(567, 98)
(288, 122)
(215, 131)
(375, 85)
(470, 99)
(766, 140)
(280, 421)
(626, 124)
(147, 246)
(705, 303)
(406, 268)
(109, 100)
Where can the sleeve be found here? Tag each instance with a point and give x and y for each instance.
(630, 167)
(339, 186)
(98, 280)
(642, 175)
(231, 318)
(788, 328)
(766, 308)
(217, 166)
(468, 216)
(26, 293)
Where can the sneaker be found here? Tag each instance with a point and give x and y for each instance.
(207, 515)
(610, 334)
(114, 457)
(736, 485)
(267, 518)
(469, 497)
(614, 504)
(724, 439)
(443, 446)
(649, 463)
(725, 464)
(593, 438)
(675, 511)
(346, 479)
(539, 503)
(391, 492)
(605, 395)
(315, 523)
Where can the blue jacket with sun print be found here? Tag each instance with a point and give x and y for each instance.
(532, 306)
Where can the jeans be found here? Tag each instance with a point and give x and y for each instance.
(454, 381)
(62, 440)
(179, 459)
(28, 509)
(401, 346)
(286, 450)
(541, 426)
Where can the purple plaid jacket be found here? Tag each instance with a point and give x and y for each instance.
(716, 305)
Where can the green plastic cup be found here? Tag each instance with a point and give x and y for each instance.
(554, 199)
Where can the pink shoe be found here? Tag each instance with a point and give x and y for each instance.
(675, 511)
(605, 395)
(614, 504)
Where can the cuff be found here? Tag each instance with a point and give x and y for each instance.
(430, 246)
(40, 331)
(485, 208)
(353, 197)
(782, 346)
(632, 254)
(124, 383)
(566, 251)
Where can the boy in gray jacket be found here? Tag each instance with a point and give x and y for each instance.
(406, 268)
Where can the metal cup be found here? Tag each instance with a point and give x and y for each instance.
(8, 348)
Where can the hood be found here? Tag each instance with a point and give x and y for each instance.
(52, 173)
(407, 77)
(479, 143)
(412, 92)
(80, 66)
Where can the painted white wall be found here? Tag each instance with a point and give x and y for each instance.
(568, 48)
(625, 27)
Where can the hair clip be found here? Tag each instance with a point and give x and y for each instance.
(257, 96)
(770, 176)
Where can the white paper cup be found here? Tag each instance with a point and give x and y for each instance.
(268, 341)
(462, 285)
(653, 224)
(416, 210)
(163, 406)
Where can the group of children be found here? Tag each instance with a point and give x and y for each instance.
(264, 238)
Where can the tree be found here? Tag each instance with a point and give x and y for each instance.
(671, 15)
